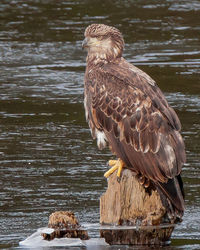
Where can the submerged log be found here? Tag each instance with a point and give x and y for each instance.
(64, 224)
(128, 203)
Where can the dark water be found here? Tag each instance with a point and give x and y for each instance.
(48, 160)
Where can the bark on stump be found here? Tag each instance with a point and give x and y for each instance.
(128, 203)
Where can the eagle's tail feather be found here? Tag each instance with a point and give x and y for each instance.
(173, 190)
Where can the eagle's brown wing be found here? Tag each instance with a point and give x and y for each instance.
(139, 125)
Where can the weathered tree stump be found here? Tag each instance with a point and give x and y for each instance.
(64, 224)
(143, 235)
(128, 203)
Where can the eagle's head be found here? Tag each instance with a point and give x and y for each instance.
(103, 42)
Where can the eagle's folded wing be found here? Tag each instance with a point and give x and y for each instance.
(136, 117)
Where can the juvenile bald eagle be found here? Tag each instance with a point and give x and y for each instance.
(126, 109)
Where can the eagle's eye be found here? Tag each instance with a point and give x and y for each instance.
(99, 37)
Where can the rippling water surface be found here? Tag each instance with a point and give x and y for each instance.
(48, 160)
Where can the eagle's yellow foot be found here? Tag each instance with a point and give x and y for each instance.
(115, 165)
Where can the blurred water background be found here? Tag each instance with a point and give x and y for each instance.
(48, 160)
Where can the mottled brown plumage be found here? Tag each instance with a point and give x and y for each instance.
(126, 109)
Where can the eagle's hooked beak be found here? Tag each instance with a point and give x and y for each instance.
(85, 43)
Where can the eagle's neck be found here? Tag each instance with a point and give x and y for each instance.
(95, 59)
(104, 54)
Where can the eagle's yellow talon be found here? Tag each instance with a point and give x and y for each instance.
(110, 171)
(115, 165)
(112, 162)
(119, 169)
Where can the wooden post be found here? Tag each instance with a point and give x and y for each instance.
(128, 203)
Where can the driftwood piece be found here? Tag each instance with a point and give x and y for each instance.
(64, 224)
(128, 203)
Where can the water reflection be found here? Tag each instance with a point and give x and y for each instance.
(48, 159)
